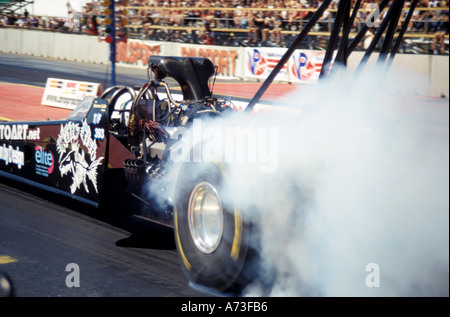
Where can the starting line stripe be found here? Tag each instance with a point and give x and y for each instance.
(4, 259)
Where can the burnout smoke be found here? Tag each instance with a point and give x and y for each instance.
(359, 203)
(355, 200)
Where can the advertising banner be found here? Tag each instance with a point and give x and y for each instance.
(68, 94)
(302, 67)
(225, 58)
(305, 66)
(260, 61)
(136, 52)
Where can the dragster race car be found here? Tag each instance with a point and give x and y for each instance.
(119, 145)
(122, 145)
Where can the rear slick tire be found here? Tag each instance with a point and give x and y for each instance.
(211, 235)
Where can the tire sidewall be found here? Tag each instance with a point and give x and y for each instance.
(221, 268)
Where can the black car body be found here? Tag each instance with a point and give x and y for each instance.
(118, 146)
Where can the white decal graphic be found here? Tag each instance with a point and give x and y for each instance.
(73, 159)
(12, 156)
(99, 133)
(18, 132)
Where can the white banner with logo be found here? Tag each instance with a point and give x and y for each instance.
(68, 94)
(303, 66)
(260, 61)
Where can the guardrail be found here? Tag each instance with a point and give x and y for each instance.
(170, 24)
(186, 29)
(164, 13)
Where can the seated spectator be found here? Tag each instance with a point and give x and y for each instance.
(121, 35)
(277, 36)
(43, 23)
(53, 24)
(259, 28)
(325, 20)
(422, 18)
(206, 35)
(228, 17)
(136, 24)
(68, 25)
(253, 29)
(240, 18)
(192, 17)
(11, 19)
(21, 22)
(266, 26)
(92, 26)
(441, 31)
(293, 16)
(176, 17)
(34, 22)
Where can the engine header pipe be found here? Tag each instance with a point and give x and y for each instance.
(341, 16)
(391, 15)
(397, 11)
(287, 55)
(359, 37)
(343, 50)
(402, 33)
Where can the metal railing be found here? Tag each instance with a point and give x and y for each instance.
(160, 24)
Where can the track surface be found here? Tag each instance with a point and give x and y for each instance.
(35, 71)
(41, 238)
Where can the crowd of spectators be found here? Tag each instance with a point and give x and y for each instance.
(259, 27)
(74, 22)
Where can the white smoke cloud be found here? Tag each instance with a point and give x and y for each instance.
(358, 204)
(363, 177)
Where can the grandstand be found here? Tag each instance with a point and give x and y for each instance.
(11, 6)
(233, 24)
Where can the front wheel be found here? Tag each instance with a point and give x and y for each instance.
(211, 234)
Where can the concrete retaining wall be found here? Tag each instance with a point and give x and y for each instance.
(431, 73)
(71, 47)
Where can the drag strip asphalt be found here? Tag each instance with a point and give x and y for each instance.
(123, 256)
(31, 70)
(126, 257)
(34, 71)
